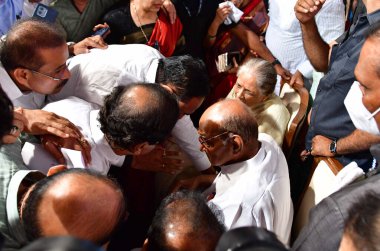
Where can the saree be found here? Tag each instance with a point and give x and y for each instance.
(255, 18)
(162, 35)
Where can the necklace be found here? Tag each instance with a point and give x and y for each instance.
(156, 44)
(199, 8)
(138, 19)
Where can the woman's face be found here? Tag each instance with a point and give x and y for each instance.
(247, 91)
(152, 5)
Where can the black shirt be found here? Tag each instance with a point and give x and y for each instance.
(196, 17)
(330, 117)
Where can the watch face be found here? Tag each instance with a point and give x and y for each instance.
(333, 147)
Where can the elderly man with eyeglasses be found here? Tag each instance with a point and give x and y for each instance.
(252, 188)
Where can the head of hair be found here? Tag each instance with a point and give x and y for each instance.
(6, 114)
(238, 118)
(31, 205)
(249, 239)
(374, 35)
(266, 76)
(25, 40)
(186, 74)
(363, 222)
(61, 243)
(127, 119)
(191, 217)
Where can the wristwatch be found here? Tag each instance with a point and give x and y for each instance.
(333, 146)
(276, 61)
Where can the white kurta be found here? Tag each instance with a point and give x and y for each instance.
(84, 116)
(284, 35)
(95, 74)
(256, 192)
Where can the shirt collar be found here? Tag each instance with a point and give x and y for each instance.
(236, 169)
(15, 226)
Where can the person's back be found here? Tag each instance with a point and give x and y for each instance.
(95, 74)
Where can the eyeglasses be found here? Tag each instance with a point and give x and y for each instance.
(204, 141)
(59, 73)
(245, 92)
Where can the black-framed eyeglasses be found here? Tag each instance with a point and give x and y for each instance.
(59, 73)
(204, 141)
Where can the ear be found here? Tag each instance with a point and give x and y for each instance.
(237, 143)
(21, 76)
(141, 148)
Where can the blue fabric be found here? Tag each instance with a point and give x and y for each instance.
(10, 11)
(330, 117)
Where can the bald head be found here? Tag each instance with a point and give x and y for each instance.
(184, 222)
(234, 116)
(138, 113)
(71, 203)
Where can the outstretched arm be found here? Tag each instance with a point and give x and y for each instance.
(357, 141)
(316, 49)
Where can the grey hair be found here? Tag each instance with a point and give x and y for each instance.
(242, 123)
(266, 76)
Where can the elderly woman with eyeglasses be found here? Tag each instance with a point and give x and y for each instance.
(255, 86)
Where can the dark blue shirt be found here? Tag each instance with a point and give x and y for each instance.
(329, 116)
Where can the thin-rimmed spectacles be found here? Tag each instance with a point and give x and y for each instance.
(204, 141)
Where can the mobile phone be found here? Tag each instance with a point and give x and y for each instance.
(231, 55)
(101, 32)
(225, 60)
(45, 13)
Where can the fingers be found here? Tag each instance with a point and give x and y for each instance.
(54, 150)
(100, 26)
(56, 169)
(170, 10)
(86, 150)
(96, 42)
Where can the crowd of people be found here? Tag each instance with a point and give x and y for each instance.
(157, 125)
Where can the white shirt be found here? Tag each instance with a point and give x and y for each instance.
(28, 100)
(95, 74)
(284, 35)
(84, 116)
(256, 192)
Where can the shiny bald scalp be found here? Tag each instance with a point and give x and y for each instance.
(234, 116)
(73, 202)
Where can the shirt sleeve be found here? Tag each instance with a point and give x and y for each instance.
(186, 136)
(331, 20)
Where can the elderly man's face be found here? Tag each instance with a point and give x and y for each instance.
(214, 142)
(52, 76)
(367, 76)
(246, 90)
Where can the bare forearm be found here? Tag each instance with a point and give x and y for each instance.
(357, 141)
(252, 41)
(316, 49)
(211, 34)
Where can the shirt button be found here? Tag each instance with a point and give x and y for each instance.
(319, 90)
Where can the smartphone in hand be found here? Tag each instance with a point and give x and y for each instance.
(101, 32)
